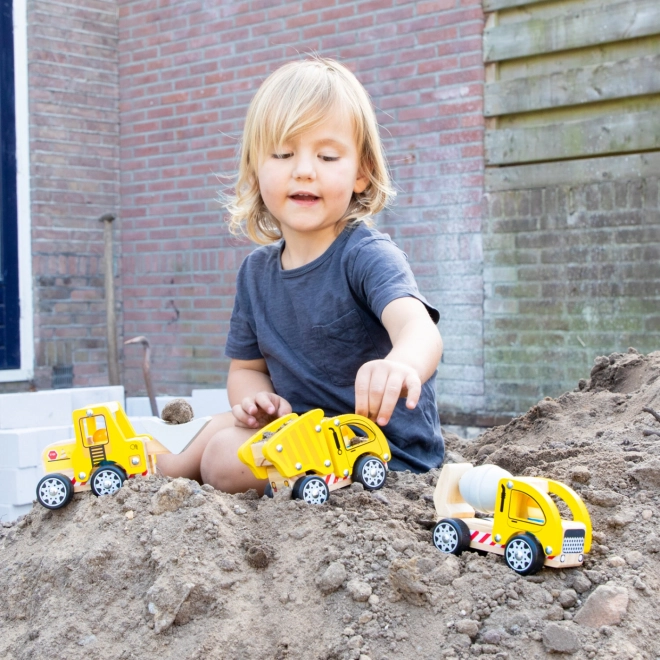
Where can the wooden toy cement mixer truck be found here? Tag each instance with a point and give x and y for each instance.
(521, 521)
(314, 455)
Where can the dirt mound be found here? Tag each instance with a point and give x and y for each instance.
(169, 569)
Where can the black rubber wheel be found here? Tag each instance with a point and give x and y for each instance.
(370, 471)
(268, 490)
(523, 554)
(107, 480)
(54, 491)
(451, 536)
(312, 490)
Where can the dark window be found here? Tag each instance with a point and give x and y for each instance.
(9, 304)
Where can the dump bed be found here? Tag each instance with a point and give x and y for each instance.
(292, 444)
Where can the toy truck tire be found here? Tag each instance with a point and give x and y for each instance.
(312, 490)
(107, 480)
(370, 472)
(54, 491)
(451, 536)
(523, 554)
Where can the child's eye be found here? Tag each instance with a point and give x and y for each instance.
(329, 159)
(282, 156)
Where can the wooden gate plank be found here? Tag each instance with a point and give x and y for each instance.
(495, 5)
(614, 80)
(573, 172)
(588, 27)
(639, 131)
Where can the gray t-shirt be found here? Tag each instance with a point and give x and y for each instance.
(316, 325)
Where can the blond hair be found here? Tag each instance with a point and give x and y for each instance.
(298, 97)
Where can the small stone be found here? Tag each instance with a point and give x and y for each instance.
(364, 657)
(356, 486)
(647, 474)
(332, 578)
(616, 561)
(605, 498)
(560, 638)
(606, 606)
(130, 515)
(555, 613)
(581, 474)
(365, 617)
(468, 627)
(491, 636)
(647, 514)
(257, 556)
(568, 598)
(374, 600)
(171, 496)
(634, 559)
(360, 591)
(581, 583)
(178, 411)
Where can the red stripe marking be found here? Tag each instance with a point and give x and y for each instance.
(484, 538)
(473, 535)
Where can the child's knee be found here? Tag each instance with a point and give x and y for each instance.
(220, 465)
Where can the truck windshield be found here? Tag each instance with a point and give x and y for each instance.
(354, 435)
(524, 507)
(94, 430)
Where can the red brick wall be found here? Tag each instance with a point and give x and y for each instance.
(74, 169)
(188, 71)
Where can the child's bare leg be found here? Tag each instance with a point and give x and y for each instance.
(186, 464)
(221, 467)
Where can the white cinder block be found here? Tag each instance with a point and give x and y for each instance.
(86, 396)
(210, 402)
(22, 447)
(18, 485)
(30, 409)
(9, 512)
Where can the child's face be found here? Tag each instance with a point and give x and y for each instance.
(307, 183)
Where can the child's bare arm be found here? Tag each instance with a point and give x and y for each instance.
(251, 394)
(415, 354)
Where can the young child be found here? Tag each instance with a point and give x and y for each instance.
(327, 312)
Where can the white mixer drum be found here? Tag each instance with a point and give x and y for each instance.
(478, 486)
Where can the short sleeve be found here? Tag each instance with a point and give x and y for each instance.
(242, 341)
(379, 273)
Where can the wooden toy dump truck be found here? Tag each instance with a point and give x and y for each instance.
(520, 518)
(105, 452)
(314, 454)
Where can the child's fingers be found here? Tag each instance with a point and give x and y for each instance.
(243, 418)
(362, 390)
(414, 388)
(389, 398)
(264, 401)
(284, 407)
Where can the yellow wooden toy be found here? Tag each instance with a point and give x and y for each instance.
(105, 452)
(315, 455)
(521, 522)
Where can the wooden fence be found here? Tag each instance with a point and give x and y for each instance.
(572, 91)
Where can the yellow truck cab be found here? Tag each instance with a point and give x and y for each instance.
(520, 519)
(315, 455)
(104, 453)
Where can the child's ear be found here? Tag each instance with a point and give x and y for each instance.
(361, 183)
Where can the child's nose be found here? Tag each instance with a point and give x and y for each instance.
(304, 168)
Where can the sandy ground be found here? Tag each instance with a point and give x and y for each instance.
(168, 569)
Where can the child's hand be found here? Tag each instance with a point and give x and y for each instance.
(255, 412)
(378, 386)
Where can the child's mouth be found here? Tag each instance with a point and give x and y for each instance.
(300, 197)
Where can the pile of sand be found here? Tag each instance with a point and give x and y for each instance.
(169, 569)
